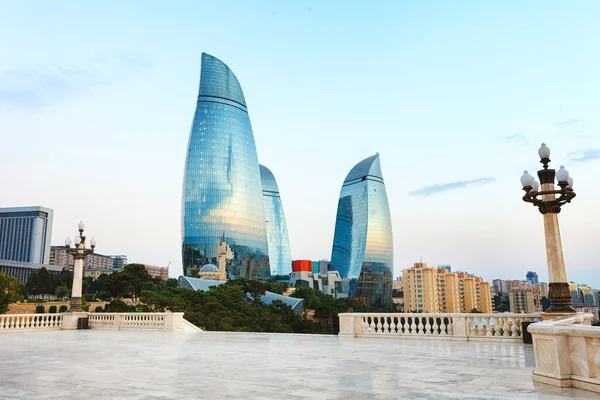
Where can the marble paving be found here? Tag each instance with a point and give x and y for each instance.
(212, 365)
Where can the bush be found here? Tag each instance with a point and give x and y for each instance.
(40, 309)
(36, 301)
(98, 309)
(62, 309)
(52, 309)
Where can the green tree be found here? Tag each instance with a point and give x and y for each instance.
(131, 281)
(40, 309)
(62, 292)
(10, 291)
(117, 305)
(62, 309)
(52, 309)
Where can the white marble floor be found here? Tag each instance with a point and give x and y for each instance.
(213, 365)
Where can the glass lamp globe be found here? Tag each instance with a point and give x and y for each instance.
(544, 151)
(562, 175)
(77, 240)
(526, 179)
(81, 225)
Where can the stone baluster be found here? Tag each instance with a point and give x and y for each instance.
(427, 326)
(435, 327)
(420, 327)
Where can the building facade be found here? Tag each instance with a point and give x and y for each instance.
(532, 277)
(157, 272)
(222, 193)
(362, 248)
(95, 261)
(22, 270)
(280, 256)
(326, 279)
(420, 289)
(525, 300)
(428, 289)
(25, 234)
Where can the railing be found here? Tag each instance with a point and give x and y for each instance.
(503, 326)
(30, 322)
(567, 352)
(168, 321)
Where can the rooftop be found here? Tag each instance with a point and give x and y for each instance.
(151, 365)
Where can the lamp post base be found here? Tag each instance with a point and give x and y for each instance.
(560, 298)
(76, 304)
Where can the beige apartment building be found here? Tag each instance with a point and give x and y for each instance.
(428, 289)
(158, 272)
(420, 289)
(525, 300)
(448, 293)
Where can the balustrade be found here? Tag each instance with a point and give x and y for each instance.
(26, 322)
(422, 325)
(567, 352)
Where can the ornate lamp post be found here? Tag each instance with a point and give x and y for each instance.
(79, 252)
(549, 205)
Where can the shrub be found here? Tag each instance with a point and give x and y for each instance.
(63, 309)
(52, 309)
(117, 306)
(40, 309)
(98, 309)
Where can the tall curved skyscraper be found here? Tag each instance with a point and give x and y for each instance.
(280, 256)
(222, 192)
(362, 243)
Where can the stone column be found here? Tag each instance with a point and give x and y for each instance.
(558, 291)
(77, 283)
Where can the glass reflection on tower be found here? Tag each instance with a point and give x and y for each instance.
(362, 244)
(280, 256)
(222, 192)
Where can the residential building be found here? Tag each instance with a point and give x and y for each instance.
(222, 191)
(448, 292)
(95, 261)
(497, 286)
(96, 272)
(484, 296)
(158, 272)
(327, 279)
(543, 288)
(468, 292)
(397, 284)
(532, 277)
(280, 256)
(525, 300)
(25, 234)
(420, 289)
(362, 249)
(595, 299)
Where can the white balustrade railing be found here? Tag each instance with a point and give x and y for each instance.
(503, 326)
(567, 352)
(167, 321)
(30, 322)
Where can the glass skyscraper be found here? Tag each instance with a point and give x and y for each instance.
(25, 234)
(362, 244)
(280, 255)
(222, 192)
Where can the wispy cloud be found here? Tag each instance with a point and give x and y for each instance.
(435, 189)
(517, 140)
(584, 156)
(569, 122)
(34, 88)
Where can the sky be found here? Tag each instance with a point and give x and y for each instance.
(97, 100)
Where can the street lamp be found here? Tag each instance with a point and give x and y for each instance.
(79, 252)
(549, 204)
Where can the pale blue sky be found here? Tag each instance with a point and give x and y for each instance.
(96, 102)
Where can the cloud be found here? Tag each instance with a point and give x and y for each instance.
(34, 88)
(435, 189)
(584, 156)
(569, 122)
(517, 140)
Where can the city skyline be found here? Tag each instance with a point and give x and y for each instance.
(462, 103)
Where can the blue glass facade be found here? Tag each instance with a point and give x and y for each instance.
(222, 193)
(362, 244)
(280, 256)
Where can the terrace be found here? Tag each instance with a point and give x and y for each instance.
(134, 364)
